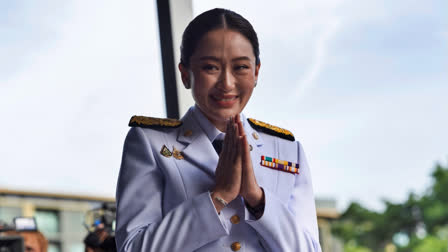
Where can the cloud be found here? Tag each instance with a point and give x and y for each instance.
(319, 57)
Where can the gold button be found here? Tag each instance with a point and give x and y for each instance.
(235, 246)
(188, 133)
(250, 147)
(255, 135)
(235, 219)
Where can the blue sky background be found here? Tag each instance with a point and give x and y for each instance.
(362, 84)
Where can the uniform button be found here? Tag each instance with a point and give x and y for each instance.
(250, 147)
(255, 135)
(235, 246)
(235, 219)
(188, 133)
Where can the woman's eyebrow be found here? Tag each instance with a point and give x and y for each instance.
(217, 59)
(209, 58)
(241, 58)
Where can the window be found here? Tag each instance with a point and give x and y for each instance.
(54, 247)
(48, 222)
(7, 214)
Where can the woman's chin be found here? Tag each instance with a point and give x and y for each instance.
(220, 117)
(224, 115)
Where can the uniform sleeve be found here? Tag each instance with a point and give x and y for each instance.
(292, 226)
(141, 224)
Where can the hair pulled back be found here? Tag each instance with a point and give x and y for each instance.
(211, 20)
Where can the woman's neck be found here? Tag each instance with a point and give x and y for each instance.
(220, 124)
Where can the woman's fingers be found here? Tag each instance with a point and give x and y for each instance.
(229, 151)
(231, 146)
(235, 174)
(228, 172)
(250, 190)
(227, 140)
(240, 126)
(237, 150)
(247, 162)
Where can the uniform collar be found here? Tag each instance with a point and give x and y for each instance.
(194, 121)
(209, 129)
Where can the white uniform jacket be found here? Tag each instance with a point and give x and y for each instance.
(164, 204)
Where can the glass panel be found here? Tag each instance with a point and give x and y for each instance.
(77, 247)
(47, 221)
(7, 214)
(54, 247)
(73, 222)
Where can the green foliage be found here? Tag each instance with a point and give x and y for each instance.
(357, 225)
(431, 243)
(351, 247)
(422, 219)
(435, 203)
(440, 176)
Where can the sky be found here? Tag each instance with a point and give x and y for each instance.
(362, 85)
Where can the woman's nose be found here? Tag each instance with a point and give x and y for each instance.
(227, 80)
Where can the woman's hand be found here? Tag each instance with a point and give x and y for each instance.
(229, 172)
(235, 174)
(250, 190)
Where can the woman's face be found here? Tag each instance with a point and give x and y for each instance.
(222, 74)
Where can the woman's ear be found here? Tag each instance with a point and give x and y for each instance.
(257, 70)
(185, 75)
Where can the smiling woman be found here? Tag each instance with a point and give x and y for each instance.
(215, 179)
(222, 74)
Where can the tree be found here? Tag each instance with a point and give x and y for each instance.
(423, 221)
(434, 203)
(431, 243)
(356, 227)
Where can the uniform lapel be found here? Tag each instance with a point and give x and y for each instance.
(198, 149)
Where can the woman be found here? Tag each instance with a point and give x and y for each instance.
(175, 193)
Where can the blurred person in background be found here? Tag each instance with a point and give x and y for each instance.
(34, 241)
(100, 240)
(215, 180)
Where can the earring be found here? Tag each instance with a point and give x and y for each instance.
(187, 83)
(255, 84)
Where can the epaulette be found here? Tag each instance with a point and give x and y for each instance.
(152, 122)
(271, 129)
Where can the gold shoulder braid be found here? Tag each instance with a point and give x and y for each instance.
(271, 129)
(152, 122)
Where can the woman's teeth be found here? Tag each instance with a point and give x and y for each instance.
(224, 99)
(227, 99)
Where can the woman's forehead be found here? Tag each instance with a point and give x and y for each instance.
(223, 44)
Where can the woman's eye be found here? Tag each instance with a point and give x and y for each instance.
(209, 67)
(241, 67)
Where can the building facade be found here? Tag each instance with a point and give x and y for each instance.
(64, 218)
(60, 217)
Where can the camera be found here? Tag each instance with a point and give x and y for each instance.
(100, 222)
(15, 243)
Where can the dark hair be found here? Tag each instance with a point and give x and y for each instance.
(215, 19)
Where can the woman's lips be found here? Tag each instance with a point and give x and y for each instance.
(224, 100)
